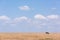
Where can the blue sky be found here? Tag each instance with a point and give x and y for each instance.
(29, 15)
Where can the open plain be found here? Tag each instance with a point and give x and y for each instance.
(29, 36)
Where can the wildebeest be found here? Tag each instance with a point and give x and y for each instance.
(47, 32)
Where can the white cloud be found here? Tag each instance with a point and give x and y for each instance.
(38, 16)
(20, 19)
(4, 18)
(53, 17)
(31, 22)
(24, 8)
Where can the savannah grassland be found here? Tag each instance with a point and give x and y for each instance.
(29, 36)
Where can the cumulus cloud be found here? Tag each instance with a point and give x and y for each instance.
(40, 22)
(53, 17)
(38, 16)
(23, 20)
(4, 18)
(24, 7)
(20, 19)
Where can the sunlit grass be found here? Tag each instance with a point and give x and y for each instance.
(29, 36)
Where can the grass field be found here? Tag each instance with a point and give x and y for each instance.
(29, 36)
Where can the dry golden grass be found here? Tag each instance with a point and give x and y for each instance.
(29, 36)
